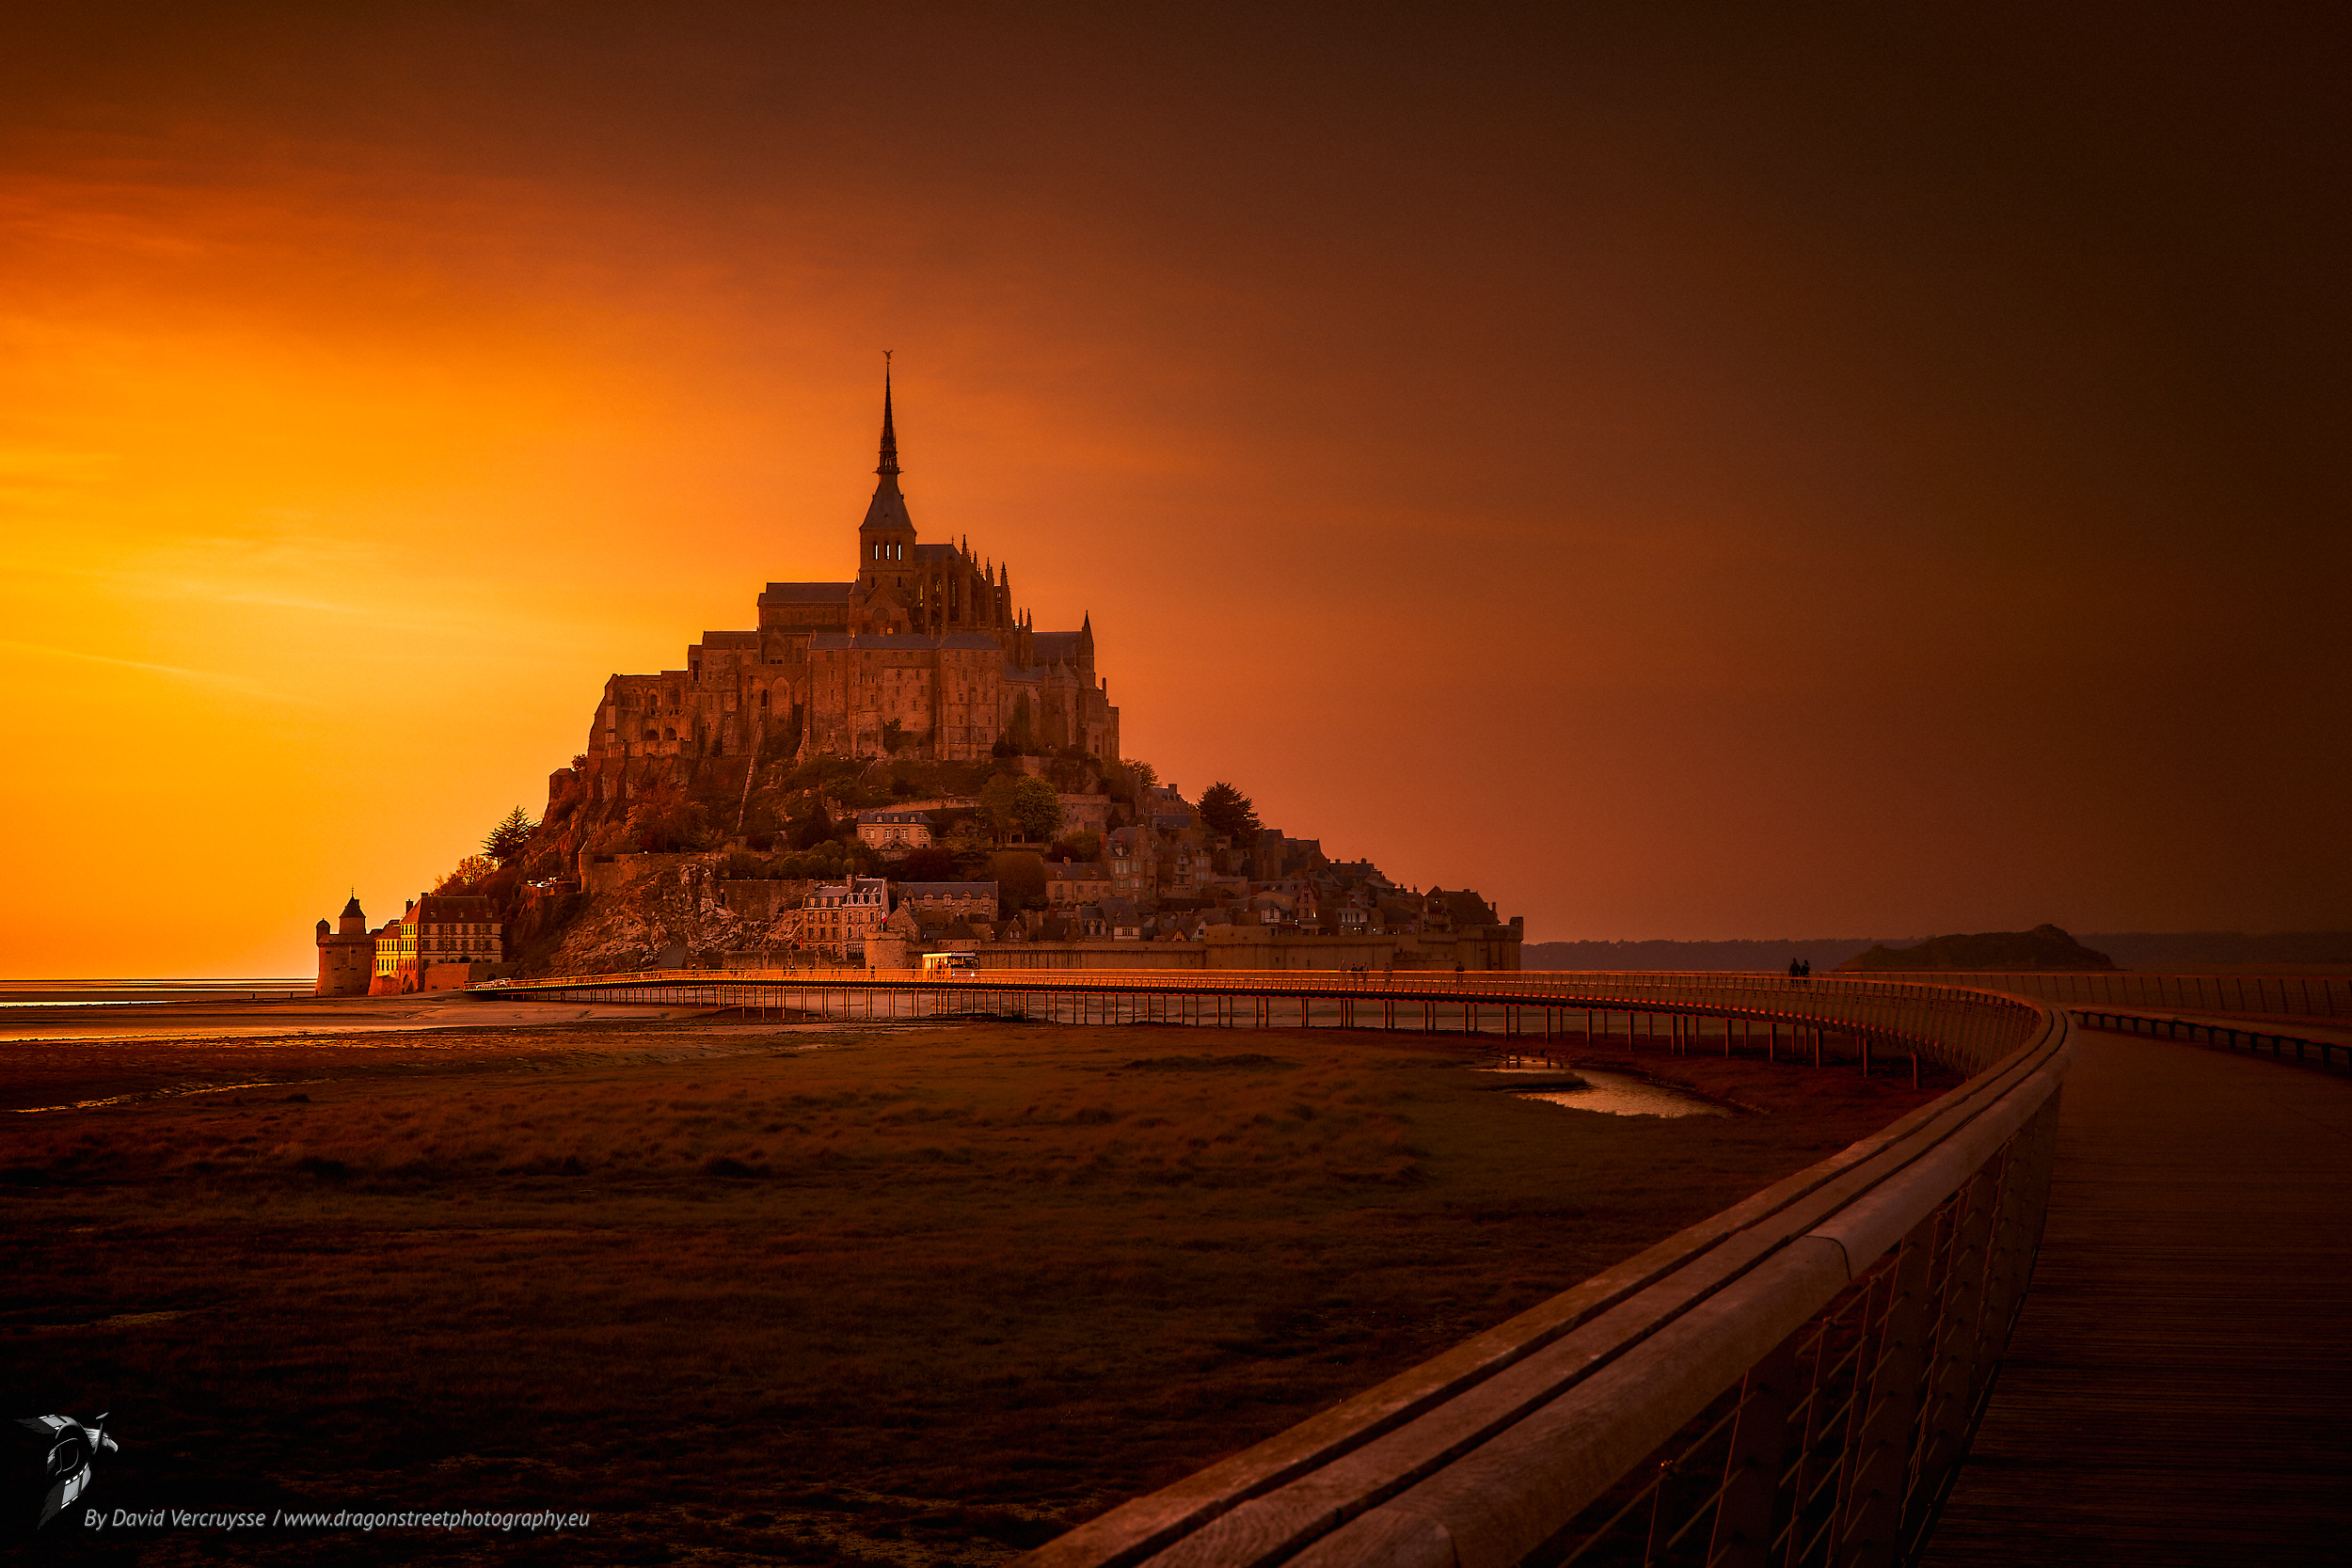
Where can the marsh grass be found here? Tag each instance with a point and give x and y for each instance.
(909, 1295)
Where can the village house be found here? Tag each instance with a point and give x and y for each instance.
(894, 833)
(1128, 854)
(838, 917)
(936, 902)
(442, 941)
(1072, 883)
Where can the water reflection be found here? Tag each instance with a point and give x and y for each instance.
(1615, 1094)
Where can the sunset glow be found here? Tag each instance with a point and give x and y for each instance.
(1669, 489)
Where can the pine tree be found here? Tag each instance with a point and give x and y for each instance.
(1228, 810)
(507, 839)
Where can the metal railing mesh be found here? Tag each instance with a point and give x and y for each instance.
(1839, 1446)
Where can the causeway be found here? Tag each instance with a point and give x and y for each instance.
(2180, 1387)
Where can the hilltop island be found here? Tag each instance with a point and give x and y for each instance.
(885, 766)
(2044, 947)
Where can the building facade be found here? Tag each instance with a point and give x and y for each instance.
(441, 942)
(838, 917)
(894, 832)
(923, 653)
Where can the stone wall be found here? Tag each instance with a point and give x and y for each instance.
(1495, 948)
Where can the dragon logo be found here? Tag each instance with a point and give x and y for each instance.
(71, 1449)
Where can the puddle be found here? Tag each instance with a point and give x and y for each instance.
(1615, 1094)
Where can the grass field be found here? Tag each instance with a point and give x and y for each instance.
(913, 1294)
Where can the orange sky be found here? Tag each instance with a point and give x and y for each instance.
(1681, 477)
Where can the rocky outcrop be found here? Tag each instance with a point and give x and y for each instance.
(673, 914)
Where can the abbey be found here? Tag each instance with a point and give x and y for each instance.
(924, 656)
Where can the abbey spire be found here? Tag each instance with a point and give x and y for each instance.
(890, 437)
(887, 512)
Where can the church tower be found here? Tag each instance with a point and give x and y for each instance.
(885, 541)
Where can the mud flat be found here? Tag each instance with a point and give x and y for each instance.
(807, 1293)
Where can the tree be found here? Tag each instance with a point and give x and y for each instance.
(1020, 877)
(1036, 809)
(930, 864)
(1228, 810)
(470, 873)
(1084, 845)
(1130, 779)
(997, 799)
(814, 829)
(507, 839)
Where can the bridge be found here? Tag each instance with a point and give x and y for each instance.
(1846, 1367)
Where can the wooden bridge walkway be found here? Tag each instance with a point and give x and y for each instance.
(2179, 1388)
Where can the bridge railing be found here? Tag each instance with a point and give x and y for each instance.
(1960, 1027)
(2276, 995)
(1792, 1381)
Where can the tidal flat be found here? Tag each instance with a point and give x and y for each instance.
(817, 1293)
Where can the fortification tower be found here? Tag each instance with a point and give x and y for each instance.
(885, 541)
(346, 954)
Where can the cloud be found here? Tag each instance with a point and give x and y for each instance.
(202, 677)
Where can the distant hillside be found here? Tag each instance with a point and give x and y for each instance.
(2044, 947)
(2222, 949)
(1822, 952)
(2129, 949)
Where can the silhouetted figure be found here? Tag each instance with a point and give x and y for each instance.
(1800, 968)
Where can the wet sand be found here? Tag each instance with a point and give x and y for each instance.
(314, 1015)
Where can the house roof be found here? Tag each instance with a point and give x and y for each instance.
(806, 593)
(899, 817)
(1465, 906)
(1057, 647)
(1076, 871)
(947, 890)
(435, 908)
